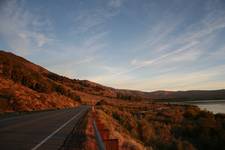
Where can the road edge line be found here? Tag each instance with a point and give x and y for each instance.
(53, 133)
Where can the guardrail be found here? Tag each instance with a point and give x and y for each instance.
(102, 135)
(100, 143)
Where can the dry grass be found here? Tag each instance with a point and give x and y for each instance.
(163, 126)
(126, 142)
(25, 99)
(90, 143)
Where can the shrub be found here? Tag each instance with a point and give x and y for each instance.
(7, 94)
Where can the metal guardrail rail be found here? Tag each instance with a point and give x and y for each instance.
(100, 142)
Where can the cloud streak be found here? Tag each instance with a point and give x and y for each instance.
(126, 44)
(165, 51)
(19, 28)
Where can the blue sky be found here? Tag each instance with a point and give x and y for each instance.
(132, 44)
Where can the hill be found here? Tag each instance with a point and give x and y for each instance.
(25, 86)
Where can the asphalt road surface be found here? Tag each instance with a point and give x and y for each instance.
(39, 131)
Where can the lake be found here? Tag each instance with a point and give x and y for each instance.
(215, 106)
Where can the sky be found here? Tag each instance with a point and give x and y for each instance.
(128, 44)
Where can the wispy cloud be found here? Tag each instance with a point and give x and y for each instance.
(74, 55)
(193, 80)
(90, 24)
(140, 64)
(161, 49)
(95, 18)
(203, 79)
(21, 29)
(190, 44)
(116, 3)
(128, 44)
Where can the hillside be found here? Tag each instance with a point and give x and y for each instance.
(26, 86)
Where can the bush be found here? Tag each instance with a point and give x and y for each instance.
(191, 113)
(7, 94)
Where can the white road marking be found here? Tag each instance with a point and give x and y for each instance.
(53, 133)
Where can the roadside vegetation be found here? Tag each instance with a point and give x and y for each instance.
(169, 127)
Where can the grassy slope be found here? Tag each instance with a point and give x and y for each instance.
(25, 86)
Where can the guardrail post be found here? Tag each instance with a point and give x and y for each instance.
(111, 144)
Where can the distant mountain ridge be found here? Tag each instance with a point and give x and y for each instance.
(189, 95)
(27, 86)
(177, 95)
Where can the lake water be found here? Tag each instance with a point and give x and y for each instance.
(215, 106)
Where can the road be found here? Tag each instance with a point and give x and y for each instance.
(39, 131)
